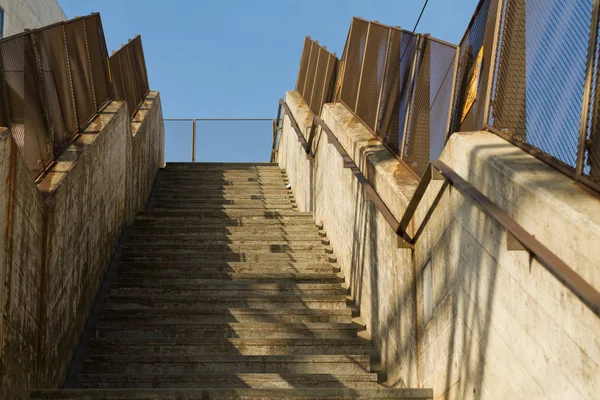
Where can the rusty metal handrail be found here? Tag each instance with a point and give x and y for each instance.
(518, 237)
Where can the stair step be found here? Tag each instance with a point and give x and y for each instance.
(225, 197)
(302, 364)
(192, 205)
(212, 266)
(212, 315)
(229, 394)
(227, 347)
(260, 381)
(226, 289)
(200, 200)
(229, 257)
(233, 289)
(219, 301)
(204, 278)
(204, 247)
(222, 238)
(147, 330)
(150, 228)
(283, 214)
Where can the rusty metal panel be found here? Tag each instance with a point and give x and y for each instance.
(311, 71)
(470, 46)
(129, 75)
(427, 127)
(98, 57)
(303, 65)
(397, 89)
(417, 139)
(81, 74)
(320, 74)
(57, 85)
(353, 60)
(142, 73)
(373, 70)
(23, 102)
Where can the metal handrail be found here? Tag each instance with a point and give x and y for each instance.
(518, 237)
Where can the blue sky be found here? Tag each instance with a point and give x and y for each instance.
(236, 58)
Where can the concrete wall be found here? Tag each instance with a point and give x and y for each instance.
(501, 325)
(58, 238)
(145, 154)
(29, 14)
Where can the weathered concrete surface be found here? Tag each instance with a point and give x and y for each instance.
(29, 14)
(58, 238)
(21, 242)
(502, 326)
(363, 242)
(145, 153)
(291, 155)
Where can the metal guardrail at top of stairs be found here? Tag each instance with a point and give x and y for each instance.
(518, 239)
(192, 128)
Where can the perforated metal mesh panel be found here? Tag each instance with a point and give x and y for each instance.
(397, 89)
(353, 59)
(303, 65)
(540, 76)
(431, 104)
(592, 143)
(129, 75)
(469, 49)
(373, 70)
(52, 81)
(317, 75)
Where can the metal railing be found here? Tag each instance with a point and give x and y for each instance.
(53, 80)
(317, 75)
(400, 85)
(545, 94)
(129, 75)
(219, 139)
(518, 239)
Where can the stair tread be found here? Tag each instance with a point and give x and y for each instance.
(248, 394)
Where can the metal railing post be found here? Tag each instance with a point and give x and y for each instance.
(193, 140)
(587, 93)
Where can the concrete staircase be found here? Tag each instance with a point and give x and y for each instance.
(224, 290)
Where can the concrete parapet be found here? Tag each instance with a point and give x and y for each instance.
(57, 238)
(460, 313)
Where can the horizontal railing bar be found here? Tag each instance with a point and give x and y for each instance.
(218, 119)
(440, 41)
(565, 274)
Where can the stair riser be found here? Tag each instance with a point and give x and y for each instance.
(224, 319)
(231, 350)
(217, 239)
(168, 271)
(214, 367)
(275, 381)
(199, 333)
(141, 302)
(224, 292)
(231, 257)
(151, 248)
(206, 279)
